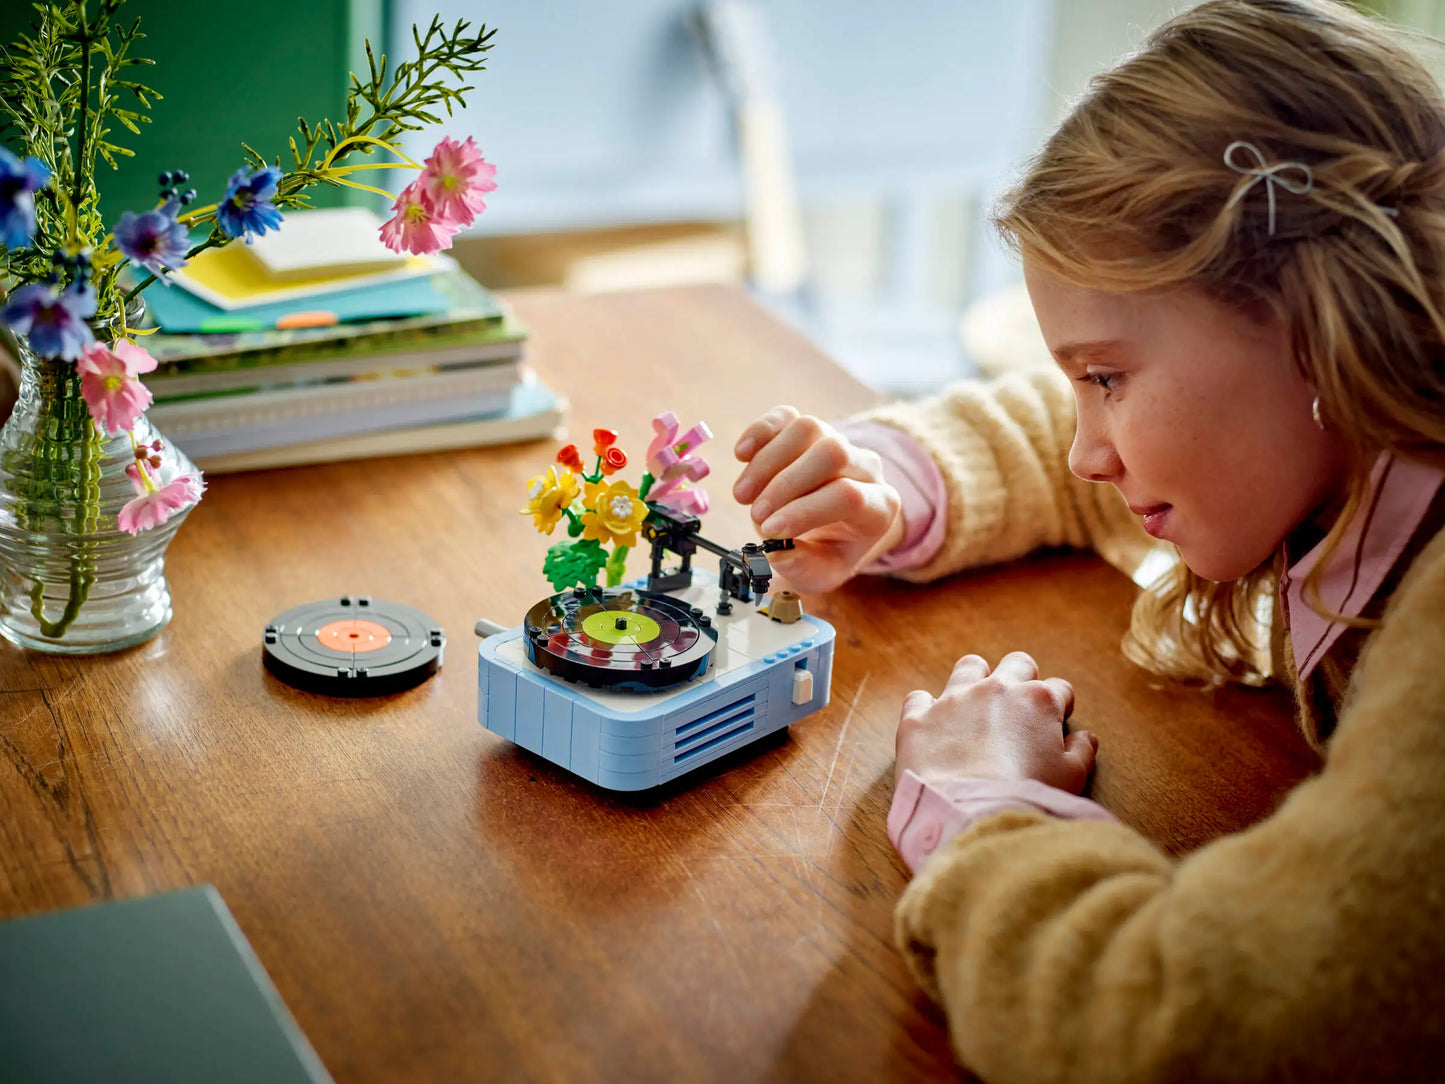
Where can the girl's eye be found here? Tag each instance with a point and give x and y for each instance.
(1108, 381)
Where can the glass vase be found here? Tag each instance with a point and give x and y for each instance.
(72, 582)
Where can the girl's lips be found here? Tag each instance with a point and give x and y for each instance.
(1156, 519)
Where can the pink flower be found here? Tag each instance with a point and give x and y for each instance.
(151, 509)
(689, 502)
(672, 465)
(417, 227)
(109, 386)
(455, 179)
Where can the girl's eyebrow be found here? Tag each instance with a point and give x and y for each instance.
(1071, 352)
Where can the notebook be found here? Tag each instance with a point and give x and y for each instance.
(470, 308)
(158, 989)
(535, 411)
(328, 241)
(265, 417)
(181, 310)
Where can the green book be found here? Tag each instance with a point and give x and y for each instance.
(464, 305)
(157, 989)
(299, 364)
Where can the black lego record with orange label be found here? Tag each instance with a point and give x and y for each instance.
(353, 646)
(618, 638)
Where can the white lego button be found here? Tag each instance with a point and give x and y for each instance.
(802, 686)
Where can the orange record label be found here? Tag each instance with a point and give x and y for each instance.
(353, 635)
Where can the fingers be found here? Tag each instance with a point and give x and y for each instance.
(783, 446)
(1063, 694)
(1080, 750)
(807, 459)
(916, 703)
(763, 430)
(967, 671)
(865, 511)
(810, 569)
(1017, 666)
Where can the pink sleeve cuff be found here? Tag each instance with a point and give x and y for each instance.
(923, 817)
(909, 469)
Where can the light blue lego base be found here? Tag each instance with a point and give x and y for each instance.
(635, 741)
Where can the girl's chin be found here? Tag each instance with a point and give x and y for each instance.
(1221, 567)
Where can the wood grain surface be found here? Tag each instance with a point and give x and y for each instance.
(435, 904)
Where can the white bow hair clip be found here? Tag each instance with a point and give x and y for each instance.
(1293, 177)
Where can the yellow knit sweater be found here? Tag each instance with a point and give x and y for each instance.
(1310, 947)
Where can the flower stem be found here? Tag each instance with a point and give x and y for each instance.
(62, 419)
(350, 140)
(81, 580)
(79, 165)
(209, 242)
(363, 187)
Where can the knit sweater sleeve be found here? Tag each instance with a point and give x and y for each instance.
(1002, 449)
(1306, 948)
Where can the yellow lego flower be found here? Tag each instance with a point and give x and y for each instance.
(548, 495)
(613, 513)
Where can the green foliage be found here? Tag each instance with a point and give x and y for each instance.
(62, 88)
(405, 104)
(572, 564)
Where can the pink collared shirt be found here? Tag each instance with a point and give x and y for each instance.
(1399, 495)
(909, 469)
(923, 817)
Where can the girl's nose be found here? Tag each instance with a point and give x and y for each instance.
(1092, 456)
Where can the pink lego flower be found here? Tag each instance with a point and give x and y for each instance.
(672, 465)
(154, 506)
(456, 178)
(109, 386)
(685, 500)
(417, 227)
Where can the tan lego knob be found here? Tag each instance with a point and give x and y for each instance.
(785, 607)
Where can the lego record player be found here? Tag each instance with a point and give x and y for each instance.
(632, 686)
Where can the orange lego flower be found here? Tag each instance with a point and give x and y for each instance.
(570, 457)
(613, 460)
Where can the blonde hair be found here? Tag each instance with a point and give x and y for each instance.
(1132, 193)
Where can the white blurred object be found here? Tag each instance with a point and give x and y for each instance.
(709, 257)
(1001, 335)
(741, 48)
(331, 240)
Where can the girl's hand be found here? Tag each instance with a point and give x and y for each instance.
(807, 482)
(1004, 725)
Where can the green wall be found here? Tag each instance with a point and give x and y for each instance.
(229, 73)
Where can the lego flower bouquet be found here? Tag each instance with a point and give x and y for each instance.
(90, 493)
(602, 510)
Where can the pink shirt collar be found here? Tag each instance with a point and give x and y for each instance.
(1399, 496)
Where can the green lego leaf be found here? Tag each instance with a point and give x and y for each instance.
(617, 566)
(572, 564)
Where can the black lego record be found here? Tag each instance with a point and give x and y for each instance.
(353, 646)
(617, 638)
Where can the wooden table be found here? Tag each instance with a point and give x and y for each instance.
(435, 904)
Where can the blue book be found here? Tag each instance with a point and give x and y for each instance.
(157, 989)
(177, 311)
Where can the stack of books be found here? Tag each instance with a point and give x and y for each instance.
(317, 343)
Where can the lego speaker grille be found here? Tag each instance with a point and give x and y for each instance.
(631, 688)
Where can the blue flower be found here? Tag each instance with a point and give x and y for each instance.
(18, 183)
(154, 240)
(54, 320)
(247, 208)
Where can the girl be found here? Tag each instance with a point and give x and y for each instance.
(1235, 247)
